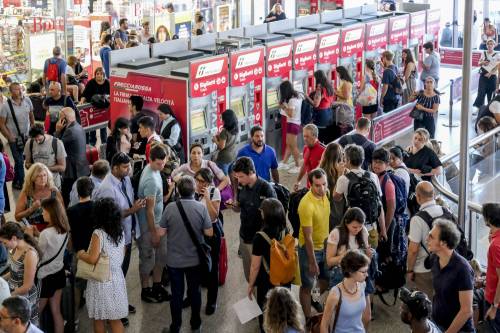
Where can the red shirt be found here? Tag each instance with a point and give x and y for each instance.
(312, 157)
(493, 265)
(151, 139)
(326, 101)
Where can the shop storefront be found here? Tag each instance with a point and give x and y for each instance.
(29, 29)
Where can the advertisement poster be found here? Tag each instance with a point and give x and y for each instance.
(183, 24)
(223, 17)
(41, 46)
(81, 43)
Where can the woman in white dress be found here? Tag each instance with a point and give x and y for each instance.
(107, 300)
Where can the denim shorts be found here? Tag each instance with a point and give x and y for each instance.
(307, 279)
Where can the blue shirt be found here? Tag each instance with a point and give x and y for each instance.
(150, 185)
(264, 162)
(388, 78)
(73, 196)
(104, 54)
(111, 187)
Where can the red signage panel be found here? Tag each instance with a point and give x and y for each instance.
(452, 56)
(433, 21)
(304, 52)
(391, 125)
(352, 41)
(417, 25)
(208, 75)
(328, 47)
(91, 116)
(246, 66)
(376, 35)
(398, 29)
(279, 59)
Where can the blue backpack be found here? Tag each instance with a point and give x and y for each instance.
(306, 112)
(400, 189)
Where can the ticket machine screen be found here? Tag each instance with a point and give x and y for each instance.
(297, 86)
(198, 121)
(237, 107)
(272, 99)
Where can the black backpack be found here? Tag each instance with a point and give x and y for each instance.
(306, 112)
(293, 210)
(484, 111)
(137, 168)
(462, 248)
(282, 194)
(411, 202)
(362, 193)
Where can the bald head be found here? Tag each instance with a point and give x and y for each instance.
(69, 114)
(424, 191)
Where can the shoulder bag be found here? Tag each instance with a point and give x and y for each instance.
(21, 140)
(314, 323)
(99, 272)
(202, 247)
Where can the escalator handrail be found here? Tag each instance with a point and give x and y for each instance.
(473, 206)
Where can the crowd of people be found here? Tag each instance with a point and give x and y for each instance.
(365, 219)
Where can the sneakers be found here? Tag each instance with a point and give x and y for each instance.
(160, 294)
(294, 170)
(210, 309)
(131, 309)
(283, 166)
(125, 321)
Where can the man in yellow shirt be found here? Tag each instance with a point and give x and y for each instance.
(314, 214)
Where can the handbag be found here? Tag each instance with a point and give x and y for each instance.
(226, 193)
(100, 101)
(202, 247)
(416, 114)
(368, 96)
(99, 272)
(313, 325)
(20, 140)
(223, 261)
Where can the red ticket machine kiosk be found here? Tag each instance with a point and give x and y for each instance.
(200, 88)
(432, 27)
(329, 52)
(376, 42)
(246, 85)
(351, 53)
(278, 68)
(417, 33)
(398, 36)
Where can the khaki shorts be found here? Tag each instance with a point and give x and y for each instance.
(149, 257)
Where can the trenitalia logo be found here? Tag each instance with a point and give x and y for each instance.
(353, 35)
(433, 16)
(280, 52)
(376, 30)
(305, 46)
(209, 69)
(249, 59)
(328, 41)
(399, 24)
(417, 20)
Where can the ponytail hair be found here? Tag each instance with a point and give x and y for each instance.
(11, 229)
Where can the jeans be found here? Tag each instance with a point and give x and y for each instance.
(126, 258)
(193, 276)
(428, 123)
(17, 155)
(224, 167)
(493, 325)
(486, 88)
(92, 136)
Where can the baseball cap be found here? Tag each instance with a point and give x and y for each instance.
(418, 303)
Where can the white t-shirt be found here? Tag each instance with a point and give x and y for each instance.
(334, 238)
(343, 182)
(295, 104)
(50, 242)
(214, 197)
(419, 231)
(404, 175)
(494, 59)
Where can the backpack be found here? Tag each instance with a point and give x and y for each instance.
(411, 201)
(306, 112)
(484, 111)
(363, 193)
(282, 194)
(137, 167)
(400, 189)
(293, 210)
(462, 248)
(54, 148)
(53, 70)
(283, 259)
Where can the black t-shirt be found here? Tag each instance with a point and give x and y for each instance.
(134, 122)
(456, 276)
(250, 199)
(63, 101)
(424, 160)
(261, 248)
(360, 140)
(81, 223)
(279, 17)
(388, 77)
(93, 88)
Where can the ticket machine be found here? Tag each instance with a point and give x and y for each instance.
(351, 53)
(311, 23)
(329, 52)
(246, 85)
(432, 27)
(199, 91)
(204, 43)
(376, 42)
(336, 18)
(357, 14)
(417, 33)
(398, 37)
(372, 10)
(278, 68)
